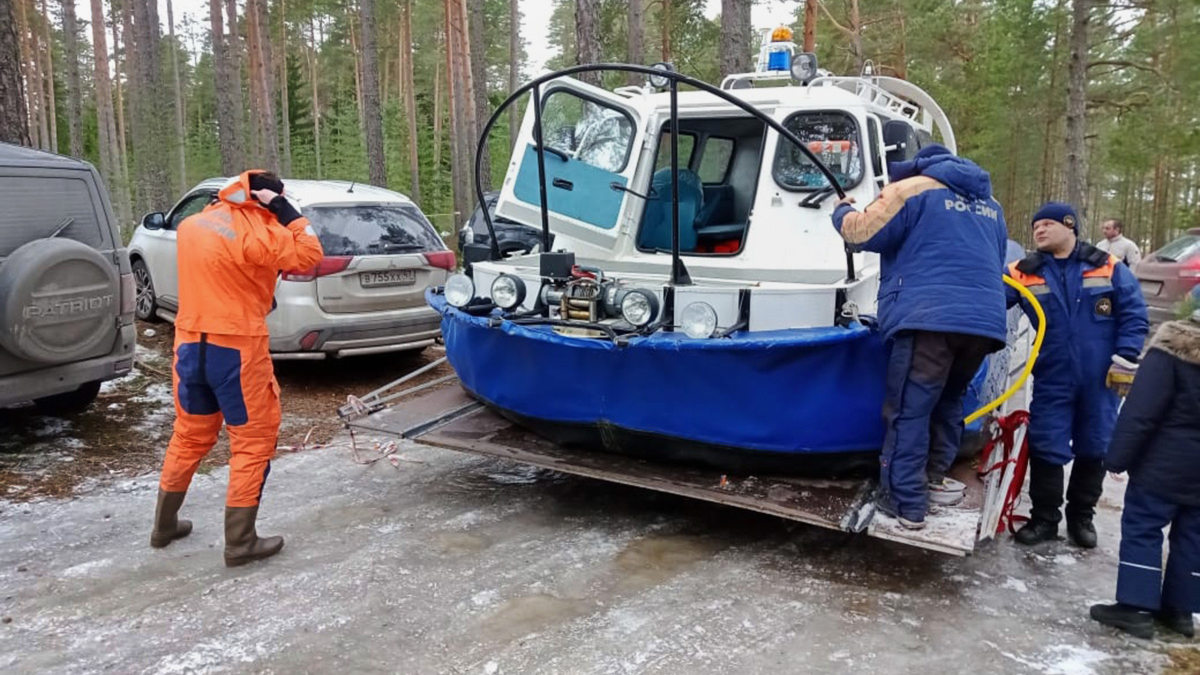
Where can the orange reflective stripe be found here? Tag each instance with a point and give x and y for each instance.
(1022, 278)
(1105, 271)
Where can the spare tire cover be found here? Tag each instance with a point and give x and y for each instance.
(60, 300)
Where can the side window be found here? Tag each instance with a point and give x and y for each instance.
(587, 131)
(188, 207)
(687, 146)
(715, 159)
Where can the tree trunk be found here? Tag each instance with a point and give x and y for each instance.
(514, 64)
(285, 112)
(14, 120)
(149, 130)
(372, 112)
(74, 93)
(180, 128)
(1076, 160)
(587, 40)
(410, 100)
(228, 114)
(316, 107)
(358, 86)
(262, 99)
(456, 95)
(665, 29)
(110, 154)
(37, 86)
(810, 25)
(48, 75)
(735, 36)
(479, 83)
(1051, 117)
(233, 58)
(437, 118)
(636, 28)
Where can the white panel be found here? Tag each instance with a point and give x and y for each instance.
(778, 309)
(723, 300)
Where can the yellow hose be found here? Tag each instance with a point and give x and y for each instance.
(1033, 353)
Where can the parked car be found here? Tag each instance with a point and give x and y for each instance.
(367, 296)
(66, 288)
(512, 237)
(1169, 274)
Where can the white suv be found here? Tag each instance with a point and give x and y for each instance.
(367, 296)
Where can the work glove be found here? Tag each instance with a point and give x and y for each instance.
(1120, 375)
(284, 212)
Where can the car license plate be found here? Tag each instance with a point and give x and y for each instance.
(388, 278)
(1151, 287)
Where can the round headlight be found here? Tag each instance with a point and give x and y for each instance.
(660, 81)
(460, 290)
(508, 292)
(699, 320)
(639, 306)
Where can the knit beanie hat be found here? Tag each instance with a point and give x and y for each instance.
(1063, 213)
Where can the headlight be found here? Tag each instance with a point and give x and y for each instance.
(638, 306)
(460, 290)
(508, 292)
(699, 320)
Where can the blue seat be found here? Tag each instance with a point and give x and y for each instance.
(718, 206)
(655, 232)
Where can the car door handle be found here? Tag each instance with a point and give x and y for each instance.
(563, 184)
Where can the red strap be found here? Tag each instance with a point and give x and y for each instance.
(1005, 433)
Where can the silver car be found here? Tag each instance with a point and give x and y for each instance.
(367, 296)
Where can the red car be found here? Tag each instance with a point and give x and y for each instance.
(1169, 274)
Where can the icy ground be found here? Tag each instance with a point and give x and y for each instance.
(446, 563)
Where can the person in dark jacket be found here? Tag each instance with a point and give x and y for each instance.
(1157, 440)
(1094, 312)
(942, 241)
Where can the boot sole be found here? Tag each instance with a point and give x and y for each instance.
(163, 541)
(246, 560)
(1137, 630)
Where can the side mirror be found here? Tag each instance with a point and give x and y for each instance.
(154, 221)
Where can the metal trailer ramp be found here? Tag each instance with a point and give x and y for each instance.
(449, 418)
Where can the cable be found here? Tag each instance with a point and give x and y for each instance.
(1033, 353)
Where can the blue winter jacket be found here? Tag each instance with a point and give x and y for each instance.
(942, 242)
(1094, 309)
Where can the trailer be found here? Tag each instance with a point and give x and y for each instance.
(442, 414)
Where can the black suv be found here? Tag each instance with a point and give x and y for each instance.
(512, 237)
(66, 289)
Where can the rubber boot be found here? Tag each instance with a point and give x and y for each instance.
(1128, 618)
(1046, 494)
(242, 543)
(1176, 621)
(167, 525)
(1083, 493)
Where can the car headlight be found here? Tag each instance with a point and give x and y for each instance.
(638, 306)
(508, 292)
(699, 320)
(460, 290)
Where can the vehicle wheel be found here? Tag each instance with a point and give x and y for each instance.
(59, 301)
(70, 403)
(146, 308)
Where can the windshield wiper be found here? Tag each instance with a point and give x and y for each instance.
(402, 247)
(815, 200)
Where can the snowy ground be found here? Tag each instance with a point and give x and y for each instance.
(447, 563)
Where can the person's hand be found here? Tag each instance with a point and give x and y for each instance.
(1120, 375)
(847, 200)
(264, 197)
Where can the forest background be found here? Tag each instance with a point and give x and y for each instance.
(1092, 101)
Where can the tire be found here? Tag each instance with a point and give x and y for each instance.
(146, 307)
(59, 302)
(69, 403)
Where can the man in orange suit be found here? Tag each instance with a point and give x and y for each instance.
(229, 256)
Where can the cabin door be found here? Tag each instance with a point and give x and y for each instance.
(592, 140)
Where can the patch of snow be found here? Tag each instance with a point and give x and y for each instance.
(1064, 559)
(52, 426)
(1074, 660)
(492, 668)
(85, 569)
(484, 598)
(149, 332)
(1015, 585)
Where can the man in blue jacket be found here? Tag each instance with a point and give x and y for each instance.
(942, 241)
(1095, 318)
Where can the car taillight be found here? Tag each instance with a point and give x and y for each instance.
(128, 294)
(441, 259)
(328, 265)
(1191, 268)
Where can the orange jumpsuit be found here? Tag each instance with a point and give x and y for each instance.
(229, 256)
